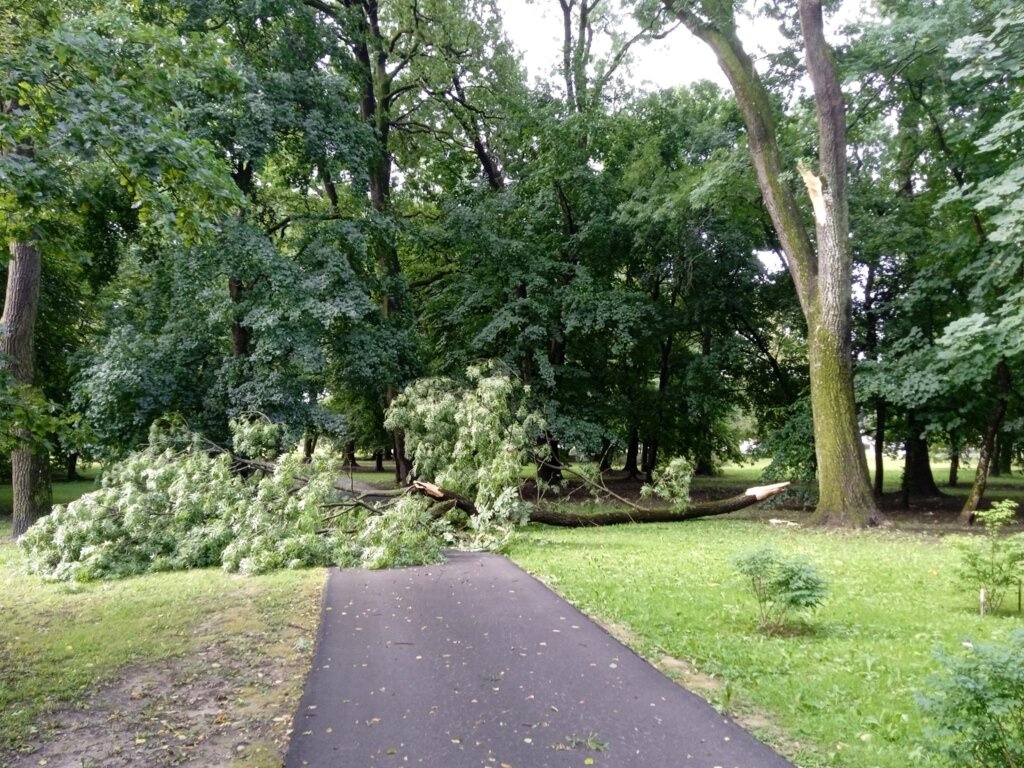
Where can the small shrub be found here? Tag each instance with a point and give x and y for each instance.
(976, 705)
(781, 586)
(996, 561)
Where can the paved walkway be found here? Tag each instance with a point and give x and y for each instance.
(476, 663)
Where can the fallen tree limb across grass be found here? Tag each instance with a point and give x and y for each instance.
(634, 514)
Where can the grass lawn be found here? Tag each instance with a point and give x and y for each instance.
(63, 492)
(246, 640)
(838, 691)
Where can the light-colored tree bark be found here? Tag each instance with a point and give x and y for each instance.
(821, 268)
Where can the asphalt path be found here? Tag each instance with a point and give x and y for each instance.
(476, 663)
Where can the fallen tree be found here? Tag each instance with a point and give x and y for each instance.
(184, 502)
(632, 513)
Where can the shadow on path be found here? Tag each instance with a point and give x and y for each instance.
(476, 663)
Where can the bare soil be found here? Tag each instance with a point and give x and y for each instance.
(228, 701)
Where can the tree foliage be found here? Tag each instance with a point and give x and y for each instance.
(183, 503)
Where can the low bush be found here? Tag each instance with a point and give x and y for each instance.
(781, 586)
(976, 705)
(995, 562)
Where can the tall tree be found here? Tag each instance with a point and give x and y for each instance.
(113, 110)
(821, 267)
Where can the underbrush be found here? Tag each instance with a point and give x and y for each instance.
(838, 689)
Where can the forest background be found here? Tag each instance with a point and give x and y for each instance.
(219, 209)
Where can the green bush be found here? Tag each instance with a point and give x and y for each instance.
(781, 586)
(996, 561)
(976, 705)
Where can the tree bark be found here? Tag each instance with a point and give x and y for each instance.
(547, 516)
(917, 471)
(954, 466)
(631, 467)
(30, 480)
(71, 466)
(822, 279)
(995, 421)
(625, 516)
(880, 414)
(550, 469)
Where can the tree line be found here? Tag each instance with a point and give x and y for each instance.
(297, 208)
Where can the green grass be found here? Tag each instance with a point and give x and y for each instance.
(1003, 487)
(59, 641)
(63, 492)
(839, 691)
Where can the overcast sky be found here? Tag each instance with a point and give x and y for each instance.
(535, 28)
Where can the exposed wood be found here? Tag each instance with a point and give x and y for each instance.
(440, 494)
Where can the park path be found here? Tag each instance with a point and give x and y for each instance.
(475, 663)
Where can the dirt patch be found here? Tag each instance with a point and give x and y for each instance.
(228, 701)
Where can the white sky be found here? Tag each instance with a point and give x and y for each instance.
(536, 27)
(679, 59)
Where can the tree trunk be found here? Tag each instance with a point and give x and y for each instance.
(350, 454)
(880, 414)
(631, 468)
(621, 517)
(550, 469)
(647, 458)
(995, 421)
(309, 441)
(1005, 462)
(30, 480)
(30, 486)
(954, 466)
(823, 280)
(844, 490)
(634, 515)
(403, 466)
(240, 334)
(71, 466)
(704, 467)
(378, 459)
(917, 471)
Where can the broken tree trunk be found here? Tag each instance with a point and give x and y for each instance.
(634, 514)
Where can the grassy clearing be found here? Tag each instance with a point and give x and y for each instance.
(1004, 487)
(63, 492)
(59, 642)
(840, 690)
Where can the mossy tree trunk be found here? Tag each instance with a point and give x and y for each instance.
(822, 276)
